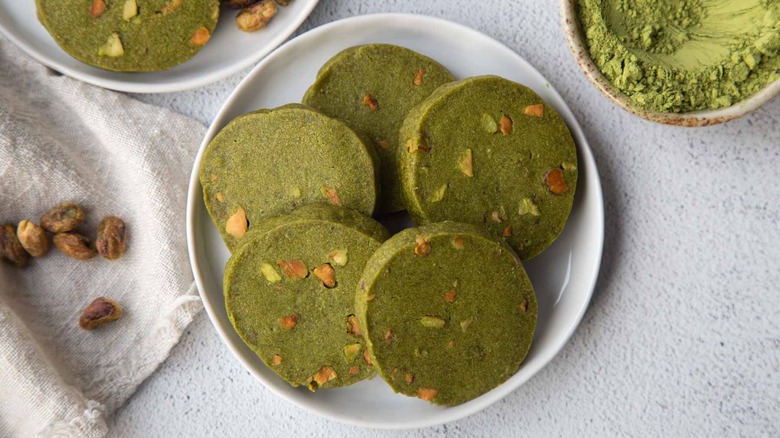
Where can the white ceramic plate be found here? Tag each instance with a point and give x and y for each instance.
(564, 275)
(228, 51)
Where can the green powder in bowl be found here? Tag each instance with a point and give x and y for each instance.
(678, 56)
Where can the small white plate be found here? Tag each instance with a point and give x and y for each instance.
(229, 50)
(564, 275)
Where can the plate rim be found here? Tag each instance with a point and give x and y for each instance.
(455, 412)
(169, 87)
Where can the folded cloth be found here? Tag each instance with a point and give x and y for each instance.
(65, 141)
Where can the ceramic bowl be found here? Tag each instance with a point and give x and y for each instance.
(574, 35)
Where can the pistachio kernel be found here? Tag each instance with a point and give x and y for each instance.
(269, 273)
(326, 274)
(338, 257)
(63, 218)
(418, 146)
(10, 247)
(256, 16)
(98, 8)
(423, 247)
(524, 305)
(220, 197)
(276, 360)
(370, 102)
(466, 323)
(323, 376)
(351, 351)
(489, 124)
(418, 77)
(438, 195)
(32, 238)
(74, 245)
(449, 297)
(99, 312)
(495, 216)
(466, 164)
(289, 322)
(389, 336)
(555, 182)
(527, 206)
(507, 231)
(569, 167)
(331, 195)
(506, 125)
(130, 9)
(534, 110)
(432, 322)
(200, 37)
(111, 240)
(409, 378)
(458, 243)
(170, 7)
(353, 371)
(367, 358)
(352, 326)
(293, 269)
(427, 394)
(237, 224)
(113, 47)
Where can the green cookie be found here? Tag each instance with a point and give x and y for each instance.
(447, 311)
(490, 152)
(290, 294)
(269, 162)
(372, 88)
(130, 35)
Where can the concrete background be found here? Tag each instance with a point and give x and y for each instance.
(682, 337)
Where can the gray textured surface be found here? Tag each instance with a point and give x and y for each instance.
(683, 335)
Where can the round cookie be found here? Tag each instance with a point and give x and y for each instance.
(130, 35)
(447, 310)
(490, 152)
(269, 162)
(290, 294)
(372, 88)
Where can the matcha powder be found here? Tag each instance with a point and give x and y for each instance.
(684, 55)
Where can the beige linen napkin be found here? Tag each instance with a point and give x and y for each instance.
(62, 140)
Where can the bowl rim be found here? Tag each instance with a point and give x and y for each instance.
(572, 30)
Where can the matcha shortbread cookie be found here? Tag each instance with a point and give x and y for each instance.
(290, 294)
(447, 311)
(130, 35)
(372, 88)
(490, 152)
(269, 162)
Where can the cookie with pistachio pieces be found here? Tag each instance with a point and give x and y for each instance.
(290, 294)
(447, 311)
(490, 152)
(372, 88)
(130, 35)
(269, 162)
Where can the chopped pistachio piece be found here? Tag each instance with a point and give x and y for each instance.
(351, 351)
(467, 164)
(269, 273)
(438, 195)
(432, 321)
(527, 206)
(489, 124)
(130, 9)
(113, 47)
